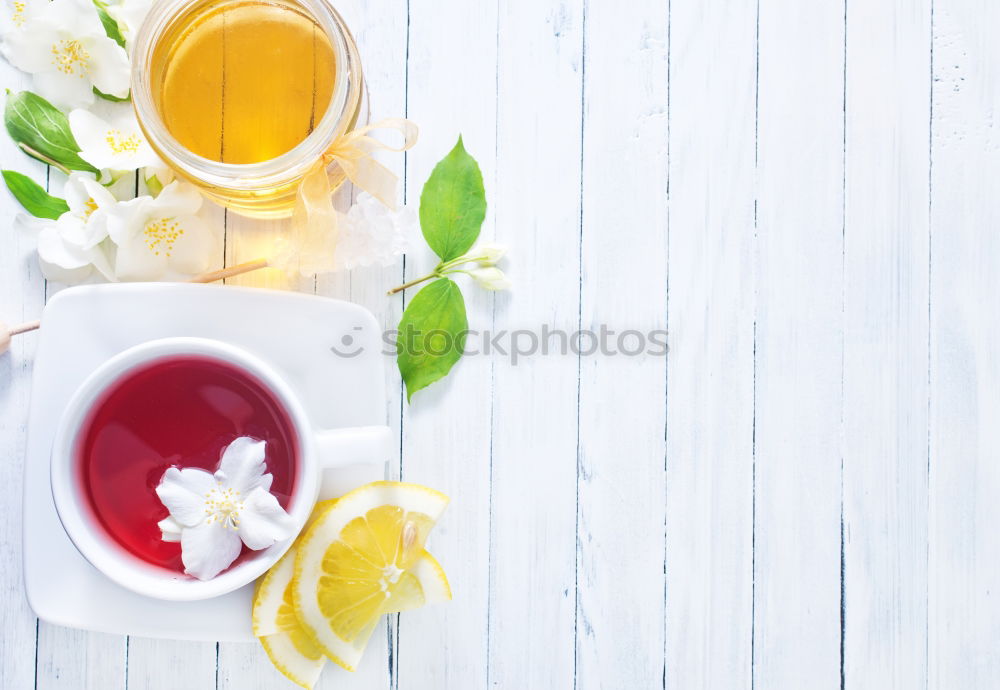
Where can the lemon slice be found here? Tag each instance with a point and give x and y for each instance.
(288, 646)
(360, 559)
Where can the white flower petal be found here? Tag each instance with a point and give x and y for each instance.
(242, 466)
(28, 47)
(108, 66)
(208, 549)
(88, 130)
(54, 247)
(99, 194)
(134, 262)
(63, 44)
(171, 529)
(263, 521)
(76, 194)
(129, 15)
(127, 219)
(64, 90)
(160, 236)
(75, 18)
(194, 250)
(491, 278)
(491, 253)
(111, 144)
(65, 276)
(183, 492)
(177, 199)
(103, 259)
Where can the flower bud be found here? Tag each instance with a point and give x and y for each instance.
(490, 253)
(490, 278)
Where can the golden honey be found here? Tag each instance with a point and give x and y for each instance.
(243, 97)
(243, 82)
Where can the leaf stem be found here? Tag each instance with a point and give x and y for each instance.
(439, 272)
(42, 157)
(400, 288)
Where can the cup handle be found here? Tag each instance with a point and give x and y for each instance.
(362, 445)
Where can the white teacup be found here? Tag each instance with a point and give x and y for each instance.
(317, 450)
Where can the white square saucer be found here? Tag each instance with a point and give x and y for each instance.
(298, 334)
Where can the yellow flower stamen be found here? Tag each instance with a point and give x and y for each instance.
(18, 16)
(224, 506)
(70, 56)
(161, 234)
(89, 206)
(120, 143)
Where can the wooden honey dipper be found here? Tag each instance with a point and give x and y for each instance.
(8, 332)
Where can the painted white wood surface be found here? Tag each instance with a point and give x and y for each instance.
(710, 386)
(885, 382)
(804, 492)
(963, 607)
(798, 345)
(623, 262)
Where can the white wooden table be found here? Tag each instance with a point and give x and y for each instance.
(805, 492)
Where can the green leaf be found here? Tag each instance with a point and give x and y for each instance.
(432, 335)
(453, 204)
(113, 99)
(111, 27)
(154, 185)
(42, 131)
(35, 200)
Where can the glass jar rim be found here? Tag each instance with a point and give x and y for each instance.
(344, 101)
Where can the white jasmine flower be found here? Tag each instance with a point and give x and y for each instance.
(63, 44)
(72, 247)
(114, 144)
(373, 235)
(129, 15)
(489, 254)
(69, 249)
(160, 236)
(18, 12)
(491, 278)
(213, 515)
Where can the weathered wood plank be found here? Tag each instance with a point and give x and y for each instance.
(964, 553)
(451, 85)
(533, 459)
(711, 319)
(71, 659)
(22, 293)
(170, 664)
(799, 346)
(885, 344)
(620, 627)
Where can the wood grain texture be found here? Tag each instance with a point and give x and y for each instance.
(964, 555)
(623, 261)
(169, 664)
(799, 346)
(73, 659)
(885, 384)
(451, 85)
(21, 298)
(532, 607)
(711, 319)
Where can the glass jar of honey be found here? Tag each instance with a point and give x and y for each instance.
(243, 97)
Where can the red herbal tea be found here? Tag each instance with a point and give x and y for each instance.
(179, 411)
